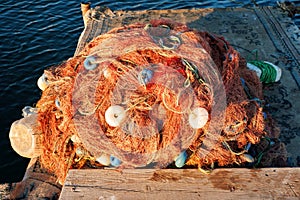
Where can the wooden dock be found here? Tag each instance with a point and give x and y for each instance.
(266, 183)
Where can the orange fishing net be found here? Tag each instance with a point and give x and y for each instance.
(144, 93)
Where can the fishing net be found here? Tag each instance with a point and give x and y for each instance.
(145, 93)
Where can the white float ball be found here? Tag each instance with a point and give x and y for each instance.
(42, 82)
(198, 118)
(104, 159)
(114, 115)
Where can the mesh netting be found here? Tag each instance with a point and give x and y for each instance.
(143, 94)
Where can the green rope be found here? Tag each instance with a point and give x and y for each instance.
(261, 154)
(268, 74)
(193, 68)
(229, 148)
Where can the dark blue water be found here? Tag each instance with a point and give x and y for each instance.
(38, 34)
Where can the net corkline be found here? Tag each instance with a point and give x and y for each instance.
(154, 78)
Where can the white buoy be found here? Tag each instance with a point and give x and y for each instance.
(198, 118)
(25, 138)
(104, 159)
(42, 82)
(114, 115)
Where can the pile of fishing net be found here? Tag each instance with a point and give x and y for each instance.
(152, 95)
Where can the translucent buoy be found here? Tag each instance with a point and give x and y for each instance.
(181, 159)
(28, 110)
(115, 162)
(57, 103)
(90, 63)
(145, 76)
(25, 138)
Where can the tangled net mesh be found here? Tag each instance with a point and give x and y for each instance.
(157, 74)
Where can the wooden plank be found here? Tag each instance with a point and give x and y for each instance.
(233, 183)
(36, 184)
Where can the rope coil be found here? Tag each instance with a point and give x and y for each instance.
(268, 72)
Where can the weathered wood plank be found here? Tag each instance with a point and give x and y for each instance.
(267, 183)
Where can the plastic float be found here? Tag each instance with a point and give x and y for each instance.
(25, 136)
